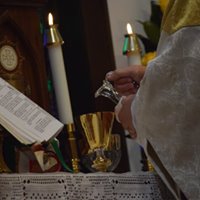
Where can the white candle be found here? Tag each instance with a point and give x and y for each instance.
(60, 81)
(133, 57)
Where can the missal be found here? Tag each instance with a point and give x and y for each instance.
(23, 118)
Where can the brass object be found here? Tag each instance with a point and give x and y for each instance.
(73, 147)
(97, 127)
(53, 36)
(97, 130)
(3, 167)
(131, 44)
(114, 142)
(150, 166)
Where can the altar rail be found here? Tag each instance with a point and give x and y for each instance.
(93, 186)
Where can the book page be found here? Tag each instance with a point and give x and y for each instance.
(23, 118)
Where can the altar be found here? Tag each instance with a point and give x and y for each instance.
(98, 186)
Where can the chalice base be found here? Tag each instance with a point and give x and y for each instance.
(101, 164)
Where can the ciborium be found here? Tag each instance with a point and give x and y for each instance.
(97, 132)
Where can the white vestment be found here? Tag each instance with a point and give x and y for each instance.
(166, 110)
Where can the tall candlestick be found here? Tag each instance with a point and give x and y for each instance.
(54, 42)
(74, 152)
(131, 47)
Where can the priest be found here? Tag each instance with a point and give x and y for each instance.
(163, 115)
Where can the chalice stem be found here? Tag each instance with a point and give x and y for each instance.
(101, 163)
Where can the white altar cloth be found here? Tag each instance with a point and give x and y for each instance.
(68, 186)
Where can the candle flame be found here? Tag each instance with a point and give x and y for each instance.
(50, 19)
(129, 29)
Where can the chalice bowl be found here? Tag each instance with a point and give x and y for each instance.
(97, 129)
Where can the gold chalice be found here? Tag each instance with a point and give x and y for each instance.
(97, 130)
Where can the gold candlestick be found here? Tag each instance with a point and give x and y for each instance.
(73, 146)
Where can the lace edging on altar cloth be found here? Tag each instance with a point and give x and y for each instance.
(98, 186)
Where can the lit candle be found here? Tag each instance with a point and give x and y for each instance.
(58, 73)
(131, 47)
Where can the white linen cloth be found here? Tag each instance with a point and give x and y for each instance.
(93, 186)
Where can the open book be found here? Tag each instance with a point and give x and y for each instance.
(23, 118)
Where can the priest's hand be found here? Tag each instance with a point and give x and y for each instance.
(124, 116)
(126, 80)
